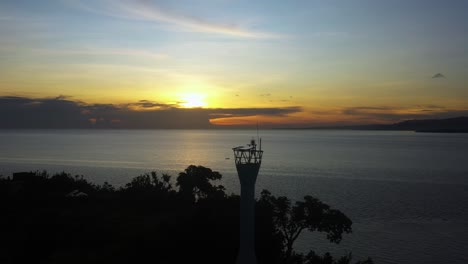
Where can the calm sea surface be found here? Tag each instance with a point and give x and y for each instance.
(406, 192)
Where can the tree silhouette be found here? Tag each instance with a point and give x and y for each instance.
(311, 214)
(150, 183)
(195, 183)
(196, 222)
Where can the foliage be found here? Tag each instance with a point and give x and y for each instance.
(310, 214)
(150, 183)
(149, 219)
(327, 258)
(195, 183)
(41, 184)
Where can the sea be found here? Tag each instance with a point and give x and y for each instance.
(406, 192)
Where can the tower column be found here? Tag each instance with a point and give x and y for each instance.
(247, 224)
(248, 160)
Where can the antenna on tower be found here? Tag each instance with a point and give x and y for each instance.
(259, 140)
(257, 133)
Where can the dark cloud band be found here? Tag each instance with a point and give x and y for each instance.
(60, 112)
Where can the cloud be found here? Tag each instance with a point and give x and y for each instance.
(438, 75)
(243, 112)
(20, 112)
(62, 97)
(150, 11)
(61, 112)
(365, 109)
(146, 104)
(96, 51)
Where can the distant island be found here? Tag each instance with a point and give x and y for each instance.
(447, 125)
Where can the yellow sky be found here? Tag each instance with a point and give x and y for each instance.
(327, 60)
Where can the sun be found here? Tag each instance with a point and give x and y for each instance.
(193, 100)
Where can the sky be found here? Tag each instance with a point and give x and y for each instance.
(230, 63)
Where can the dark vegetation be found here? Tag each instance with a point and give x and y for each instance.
(65, 219)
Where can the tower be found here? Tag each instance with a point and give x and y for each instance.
(248, 160)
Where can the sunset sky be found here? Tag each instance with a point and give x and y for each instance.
(279, 63)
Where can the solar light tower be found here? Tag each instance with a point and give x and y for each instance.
(248, 159)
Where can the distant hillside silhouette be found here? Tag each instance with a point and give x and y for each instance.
(447, 125)
(456, 124)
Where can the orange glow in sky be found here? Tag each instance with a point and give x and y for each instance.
(346, 62)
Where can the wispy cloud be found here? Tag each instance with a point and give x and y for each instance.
(149, 105)
(245, 112)
(95, 51)
(150, 11)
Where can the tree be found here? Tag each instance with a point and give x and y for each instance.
(311, 214)
(195, 183)
(150, 183)
(313, 258)
(197, 219)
